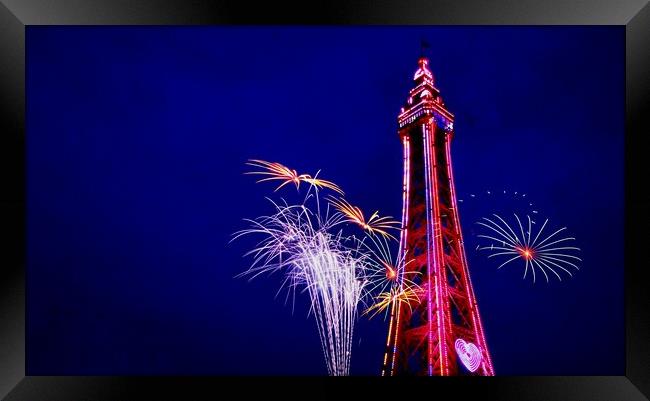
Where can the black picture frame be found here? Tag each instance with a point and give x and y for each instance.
(16, 15)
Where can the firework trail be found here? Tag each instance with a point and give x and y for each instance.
(374, 225)
(546, 253)
(278, 172)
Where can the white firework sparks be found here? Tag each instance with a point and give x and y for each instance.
(547, 254)
(298, 243)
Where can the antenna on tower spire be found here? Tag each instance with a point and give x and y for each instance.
(423, 45)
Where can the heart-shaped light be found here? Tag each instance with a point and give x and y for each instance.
(469, 354)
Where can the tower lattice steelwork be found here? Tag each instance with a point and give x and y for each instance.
(441, 334)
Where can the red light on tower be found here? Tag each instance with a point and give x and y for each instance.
(440, 333)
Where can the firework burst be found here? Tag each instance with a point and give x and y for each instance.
(278, 172)
(545, 253)
(387, 277)
(385, 272)
(387, 300)
(374, 224)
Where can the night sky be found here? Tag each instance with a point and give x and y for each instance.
(136, 143)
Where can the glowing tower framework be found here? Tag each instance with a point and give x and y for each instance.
(442, 334)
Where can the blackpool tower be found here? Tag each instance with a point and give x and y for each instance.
(441, 333)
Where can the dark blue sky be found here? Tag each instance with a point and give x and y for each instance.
(136, 143)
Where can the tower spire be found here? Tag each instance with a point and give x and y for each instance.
(423, 64)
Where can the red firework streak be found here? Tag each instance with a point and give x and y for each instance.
(441, 334)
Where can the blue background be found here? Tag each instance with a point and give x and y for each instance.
(136, 143)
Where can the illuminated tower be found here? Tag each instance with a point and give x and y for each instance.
(441, 334)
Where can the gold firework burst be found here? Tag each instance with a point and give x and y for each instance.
(278, 172)
(374, 224)
(386, 300)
